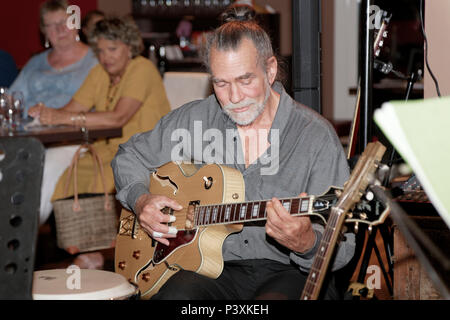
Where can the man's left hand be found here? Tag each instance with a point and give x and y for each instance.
(295, 233)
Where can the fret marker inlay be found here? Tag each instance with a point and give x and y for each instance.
(255, 210)
(243, 210)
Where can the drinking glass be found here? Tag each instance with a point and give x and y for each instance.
(4, 105)
(17, 102)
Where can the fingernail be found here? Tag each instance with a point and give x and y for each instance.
(172, 218)
(172, 230)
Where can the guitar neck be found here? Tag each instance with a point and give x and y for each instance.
(206, 215)
(323, 256)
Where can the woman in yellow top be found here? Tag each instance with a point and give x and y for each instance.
(125, 90)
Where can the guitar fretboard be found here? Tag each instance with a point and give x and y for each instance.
(246, 211)
(318, 269)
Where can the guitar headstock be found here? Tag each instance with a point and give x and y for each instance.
(368, 211)
(362, 176)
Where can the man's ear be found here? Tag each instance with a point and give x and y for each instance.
(272, 69)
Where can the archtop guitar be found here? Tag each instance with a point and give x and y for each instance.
(214, 206)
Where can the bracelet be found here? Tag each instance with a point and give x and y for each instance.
(79, 120)
(83, 119)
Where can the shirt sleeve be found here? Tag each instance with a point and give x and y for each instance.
(86, 94)
(330, 169)
(137, 159)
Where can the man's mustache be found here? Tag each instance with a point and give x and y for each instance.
(230, 106)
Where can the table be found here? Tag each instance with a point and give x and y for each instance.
(63, 134)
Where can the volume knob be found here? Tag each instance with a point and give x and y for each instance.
(146, 277)
(136, 254)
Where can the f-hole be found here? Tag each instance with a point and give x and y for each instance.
(166, 182)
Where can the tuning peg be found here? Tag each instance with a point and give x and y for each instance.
(356, 227)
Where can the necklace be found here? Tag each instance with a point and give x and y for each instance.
(112, 91)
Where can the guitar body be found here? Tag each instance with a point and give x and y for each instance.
(150, 264)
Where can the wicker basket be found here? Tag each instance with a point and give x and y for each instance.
(85, 222)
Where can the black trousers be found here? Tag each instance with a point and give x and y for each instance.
(242, 280)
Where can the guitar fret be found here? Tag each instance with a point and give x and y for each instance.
(255, 210)
(248, 212)
(202, 216)
(304, 205)
(233, 212)
(243, 211)
(208, 213)
(227, 213)
(287, 205)
(295, 206)
(215, 210)
(262, 210)
(221, 216)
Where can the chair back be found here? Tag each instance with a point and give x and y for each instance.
(183, 87)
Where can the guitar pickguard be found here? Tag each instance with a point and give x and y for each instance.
(184, 237)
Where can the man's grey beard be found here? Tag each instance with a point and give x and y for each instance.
(249, 101)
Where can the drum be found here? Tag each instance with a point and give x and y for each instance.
(74, 283)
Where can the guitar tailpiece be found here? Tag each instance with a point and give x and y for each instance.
(173, 267)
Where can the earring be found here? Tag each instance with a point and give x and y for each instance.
(47, 44)
(77, 38)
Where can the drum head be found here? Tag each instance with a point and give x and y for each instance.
(80, 284)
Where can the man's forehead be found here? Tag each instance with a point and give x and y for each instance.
(233, 63)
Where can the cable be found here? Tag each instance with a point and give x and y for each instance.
(426, 49)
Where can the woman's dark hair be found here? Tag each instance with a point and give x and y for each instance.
(122, 29)
(89, 15)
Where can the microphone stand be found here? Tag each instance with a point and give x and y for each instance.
(387, 68)
(385, 233)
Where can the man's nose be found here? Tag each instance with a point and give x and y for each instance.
(235, 93)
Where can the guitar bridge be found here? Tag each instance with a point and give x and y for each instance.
(190, 215)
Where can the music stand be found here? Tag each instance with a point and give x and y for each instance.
(21, 166)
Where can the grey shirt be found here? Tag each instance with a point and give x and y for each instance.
(305, 155)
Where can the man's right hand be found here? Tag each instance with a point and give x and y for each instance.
(148, 211)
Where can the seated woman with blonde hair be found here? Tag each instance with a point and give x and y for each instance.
(54, 75)
(51, 78)
(124, 90)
